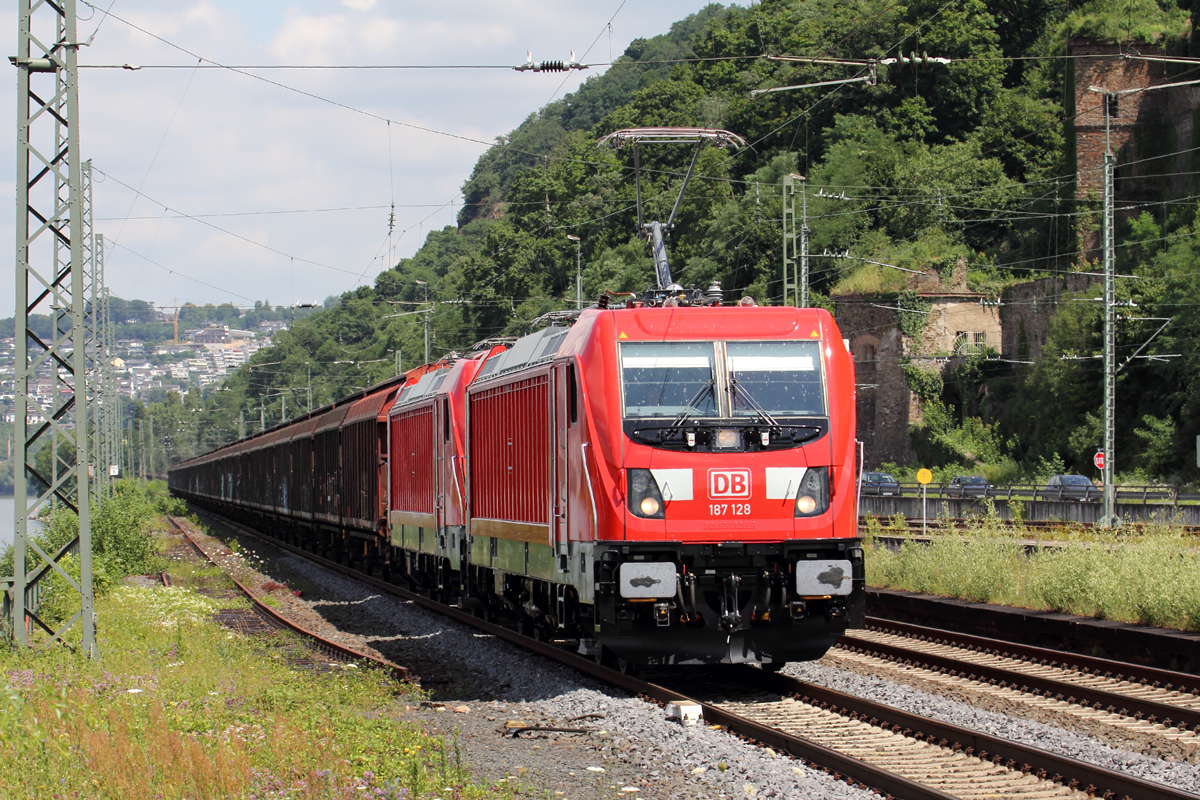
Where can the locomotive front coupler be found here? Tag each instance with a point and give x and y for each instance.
(731, 615)
(835, 609)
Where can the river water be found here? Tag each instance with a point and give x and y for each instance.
(7, 520)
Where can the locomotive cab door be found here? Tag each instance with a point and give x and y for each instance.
(441, 423)
(560, 417)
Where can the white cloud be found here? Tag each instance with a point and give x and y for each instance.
(359, 5)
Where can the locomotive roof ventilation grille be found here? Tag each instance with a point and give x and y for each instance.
(525, 352)
(428, 385)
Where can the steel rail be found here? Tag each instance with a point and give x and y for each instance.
(1063, 769)
(1104, 667)
(1126, 706)
(399, 672)
(855, 771)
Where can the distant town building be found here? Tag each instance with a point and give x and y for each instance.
(213, 334)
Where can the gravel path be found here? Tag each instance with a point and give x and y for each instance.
(1030, 732)
(479, 683)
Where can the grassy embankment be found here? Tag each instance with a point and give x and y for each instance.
(178, 706)
(1150, 576)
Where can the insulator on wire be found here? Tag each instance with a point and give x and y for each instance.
(549, 66)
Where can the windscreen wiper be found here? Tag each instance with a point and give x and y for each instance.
(736, 388)
(691, 404)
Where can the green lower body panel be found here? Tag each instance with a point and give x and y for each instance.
(540, 562)
(518, 558)
(510, 556)
(481, 551)
(410, 537)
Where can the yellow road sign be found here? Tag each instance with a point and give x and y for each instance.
(924, 476)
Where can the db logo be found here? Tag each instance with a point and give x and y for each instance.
(728, 483)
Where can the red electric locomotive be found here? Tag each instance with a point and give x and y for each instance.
(670, 482)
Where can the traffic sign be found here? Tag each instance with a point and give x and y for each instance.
(1098, 459)
(924, 476)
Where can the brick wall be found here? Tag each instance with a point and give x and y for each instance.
(1166, 115)
(883, 396)
(886, 407)
(1027, 309)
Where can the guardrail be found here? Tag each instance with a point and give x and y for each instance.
(1143, 495)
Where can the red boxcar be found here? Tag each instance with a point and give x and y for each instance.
(364, 458)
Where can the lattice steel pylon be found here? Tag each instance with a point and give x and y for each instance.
(92, 289)
(795, 265)
(49, 219)
(108, 432)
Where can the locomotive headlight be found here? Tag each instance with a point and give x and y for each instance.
(813, 495)
(645, 499)
(727, 439)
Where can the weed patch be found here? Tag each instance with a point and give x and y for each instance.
(181, 707)
(1151, 577)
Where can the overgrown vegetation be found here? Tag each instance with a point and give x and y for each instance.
(121, 545)
(179, 706)
(1142, 21)
(1151, 577)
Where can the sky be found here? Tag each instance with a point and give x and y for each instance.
(213, 185)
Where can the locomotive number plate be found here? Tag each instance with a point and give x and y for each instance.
(729, 509)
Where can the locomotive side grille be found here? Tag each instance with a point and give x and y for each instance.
(510, 459)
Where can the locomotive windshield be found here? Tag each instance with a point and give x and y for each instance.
(663, 379)
(782, 378)
(669, 379)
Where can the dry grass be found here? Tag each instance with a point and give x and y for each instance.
(180, 707)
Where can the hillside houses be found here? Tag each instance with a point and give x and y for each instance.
(202, 358)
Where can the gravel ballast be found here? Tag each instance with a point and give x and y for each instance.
(479, 683)
(1029, 732)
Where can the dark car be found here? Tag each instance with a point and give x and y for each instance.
(967, 486)
(1070, 487)
(880, 483)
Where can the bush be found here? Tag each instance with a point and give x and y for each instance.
(171, 506)
(121, 531)
(121, 545)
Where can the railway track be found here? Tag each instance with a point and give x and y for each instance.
(865, 743)
(263, 619)
(914, 527)
(1128, 695)
(949, 760)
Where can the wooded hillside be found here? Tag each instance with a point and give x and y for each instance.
(931, 163)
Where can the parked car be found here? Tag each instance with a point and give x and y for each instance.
(968, 486)
(880, 483)
(1070, 487)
